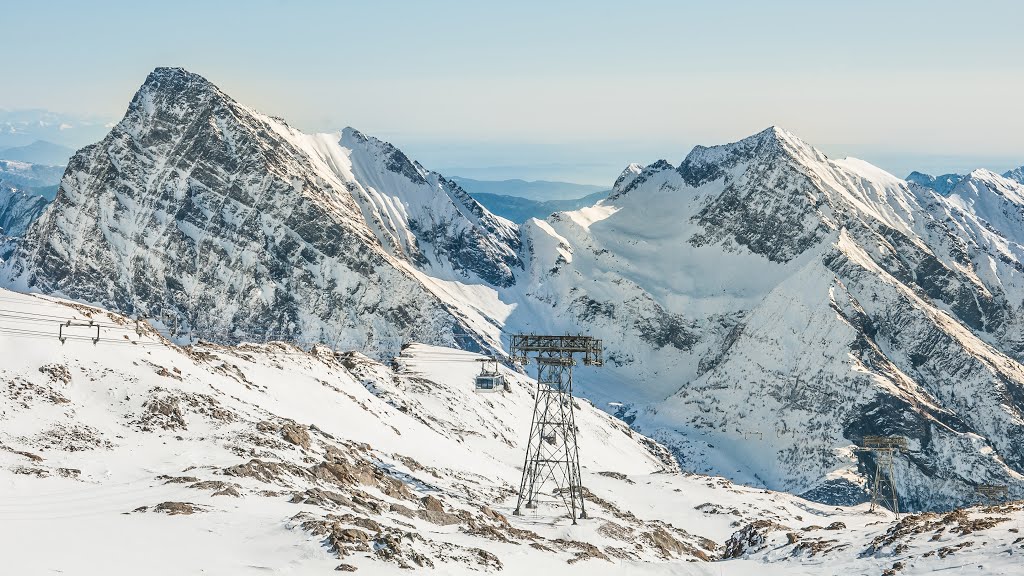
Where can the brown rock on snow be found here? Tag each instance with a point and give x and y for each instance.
(176, 508)
(296, 434)
(432, 503)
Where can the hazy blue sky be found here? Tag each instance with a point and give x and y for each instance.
(570, 89)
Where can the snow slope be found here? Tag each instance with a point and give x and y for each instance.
(136, 455)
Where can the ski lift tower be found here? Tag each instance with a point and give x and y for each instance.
(551, 450)
(992, 493)
(884, 449)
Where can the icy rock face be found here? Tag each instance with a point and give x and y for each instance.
(805, 303)
(244, 228)
(768, 202)
(441, 227)
(18, 209)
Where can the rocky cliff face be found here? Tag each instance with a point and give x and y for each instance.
(241, 227)
(422, 217)
(774, 306)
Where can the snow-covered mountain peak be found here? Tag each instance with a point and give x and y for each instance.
(240, 225)
(426, 218)
(983, 174)
(175, 80)
(390, 157)
(626, 178)
(18, 209)
(991, 202)
(174, 93)
(707, 163)
(1016, 174)
(941, 184)
(634, 176)
(764, 272)
(982, 181)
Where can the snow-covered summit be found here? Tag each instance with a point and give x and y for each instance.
(426, 217)
(1015, 174)
(941, 184)
(239, 225)
(708, 163)
(704, 164)
(765, 290)
(626, 178)
(992, 203)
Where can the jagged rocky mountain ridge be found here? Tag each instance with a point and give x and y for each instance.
(944, 183)
(763, 306)
(941, 184)
(803, 304)
(236, 224)
(1017, 175)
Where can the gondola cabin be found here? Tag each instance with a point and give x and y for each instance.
(490, 379)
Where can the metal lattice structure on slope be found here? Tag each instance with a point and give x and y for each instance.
(884, 449)
(552, 451)
(992, 493)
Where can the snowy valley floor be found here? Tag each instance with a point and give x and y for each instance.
(132, 456)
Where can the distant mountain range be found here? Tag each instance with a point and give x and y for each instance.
(27, 174)
(519, 209)
(24, 127)
(539, 190)
(38, 152)
(945, 183)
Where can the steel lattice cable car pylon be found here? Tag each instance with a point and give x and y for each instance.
(552, 450)
(883, 489)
